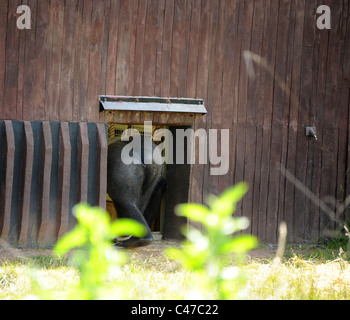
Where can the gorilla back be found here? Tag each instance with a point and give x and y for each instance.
(136, 189)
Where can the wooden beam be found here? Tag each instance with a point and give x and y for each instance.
(6, 193)
(64, 179)
(102, 150)
(83, 163)
(46, 147)
(27, 182)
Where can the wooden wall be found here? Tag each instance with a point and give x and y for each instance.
(79, 49)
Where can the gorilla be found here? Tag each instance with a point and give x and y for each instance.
(135, 189)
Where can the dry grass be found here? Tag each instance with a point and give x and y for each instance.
(309, 274)
(299, 279)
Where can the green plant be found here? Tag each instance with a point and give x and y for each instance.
(209, 247)
(93, 253)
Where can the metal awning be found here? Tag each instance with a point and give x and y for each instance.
(152, 104)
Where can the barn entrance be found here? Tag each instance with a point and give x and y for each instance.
(117, 132)
(125, 114)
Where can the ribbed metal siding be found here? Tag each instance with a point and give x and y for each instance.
(45, 169)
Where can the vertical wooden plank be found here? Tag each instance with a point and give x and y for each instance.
(41, 48)
(302, 203)
(346, 45)
(249, 173)
(64, 180)
(215, 86)
(66, 100)
(269, 197)
(328, 185)
(235, 62)
(83, 162)
(333, 65)
(44, 235)
(29, 71)
(256, 186)
(112, 47)
(287, 11)
(273, 189)
(122, 73)
(150, 49)
(179, 49)
(293, 115)
(240, 160)
(7, 183)
(227, 106)
(132, 52)
(347, 210)
(3, 28)
(27, 181)
(256, 86)
(316, 111)
(167, 45)
(159, 47)
(341, 170)
(56, 33)
(280, 110)
(21, 70)
(193, 52)
(104, 56)
(255, 113)
(11, 64)
(95, 61)
(84, 59)
(280, 107)
(264, 184)
(139, 57)
(77, 56)
(223, 119)
(246, 115)
(269, 52)
(239, 128)
(300, 200)
(210, 183)
(102, 150)
(313, 221)
(202, 84)
(245, 111)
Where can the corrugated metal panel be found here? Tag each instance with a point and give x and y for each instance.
(45, 169)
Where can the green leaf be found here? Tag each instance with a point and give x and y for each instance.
(128, 227)
(201, 242)
(90, 217)
(240, 244)
(71, 240)
(235, 193)
(225, 204)
(235, 224)
(193, 211)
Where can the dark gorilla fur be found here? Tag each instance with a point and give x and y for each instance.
(136, 190)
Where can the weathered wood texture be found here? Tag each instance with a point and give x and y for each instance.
(79, 49)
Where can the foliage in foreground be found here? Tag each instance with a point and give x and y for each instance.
(208, 248)
(94, 255)
(210, 260)
(206, 253)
